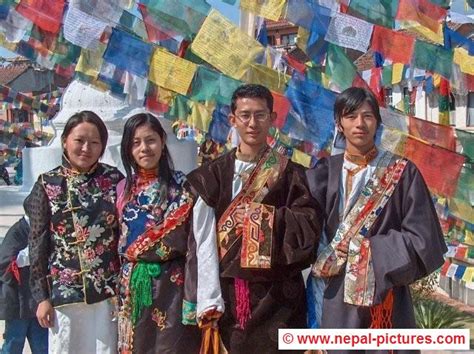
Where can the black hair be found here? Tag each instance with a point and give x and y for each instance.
(165, 166)
(351, 99)
(86, 117)
(251, 91)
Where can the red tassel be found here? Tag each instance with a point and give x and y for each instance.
(242, 297)
(13, 268)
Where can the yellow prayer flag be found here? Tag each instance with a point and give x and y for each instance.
(397, 72)
(468, 275)
(436, 79)
(301, 158)
(270, 9)
(302, 38)
(412, 26)
(6, 44)
(90, 61)
(170, 71)
(201, 115)
(443, 118)
(461, 209)
(464, 60)
(165, 96)
(469, 239)
(225, 46)
(393, 140)
(263, 75)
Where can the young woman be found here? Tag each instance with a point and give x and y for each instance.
(73, 242)
(153, 209)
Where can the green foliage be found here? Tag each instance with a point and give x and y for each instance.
(434, 314)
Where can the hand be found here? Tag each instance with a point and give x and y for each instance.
(45, 314)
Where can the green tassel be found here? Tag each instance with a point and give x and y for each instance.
(140, 287)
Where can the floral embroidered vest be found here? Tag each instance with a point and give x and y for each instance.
(84, 231)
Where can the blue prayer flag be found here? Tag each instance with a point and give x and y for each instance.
(128, 53)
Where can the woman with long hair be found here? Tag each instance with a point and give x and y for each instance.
(153, 208)
(73, 242)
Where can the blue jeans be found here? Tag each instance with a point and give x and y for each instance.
(17, 330)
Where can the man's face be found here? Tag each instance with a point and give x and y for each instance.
(359, 128)
(252, 119)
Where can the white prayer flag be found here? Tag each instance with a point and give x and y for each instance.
(349, 32)
(15, 26)
(82, 29)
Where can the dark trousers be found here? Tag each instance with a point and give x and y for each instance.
(16, 331)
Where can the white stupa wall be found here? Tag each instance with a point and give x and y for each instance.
(114, 112)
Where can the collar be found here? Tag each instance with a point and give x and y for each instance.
(66, 164)
(362, 160)
(247, 158)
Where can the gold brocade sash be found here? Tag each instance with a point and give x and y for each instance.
(359, 280)
(263, 177)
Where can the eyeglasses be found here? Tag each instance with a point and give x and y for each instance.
(246, 116)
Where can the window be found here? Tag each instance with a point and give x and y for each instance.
(271, 40)
(288, 39)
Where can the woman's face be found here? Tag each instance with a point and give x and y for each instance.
(147, 146)
(83, 146)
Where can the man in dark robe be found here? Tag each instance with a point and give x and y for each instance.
(381, 231)
(256, 227)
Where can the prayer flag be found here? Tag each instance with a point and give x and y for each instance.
(128, 53)
(440, 167)
(422, 11)
(339, 68)
(425, 53)
(464, 60)
(171, 72)
(467, 141)
(398, 47)
(380, 12)
(270, 9)
(46, 14)
(225, 46)
(436, 134)
(211, 85)
(349, 32)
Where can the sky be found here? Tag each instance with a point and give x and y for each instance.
(232, 12)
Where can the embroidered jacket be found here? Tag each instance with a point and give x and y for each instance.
(74, 235)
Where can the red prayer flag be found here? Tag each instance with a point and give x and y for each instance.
(440, 167)
(152, 103)
(436, 134)
(155, 32)
(46, 14)
(422, 11)
(281, 105)
(295, 64)
(398, 47)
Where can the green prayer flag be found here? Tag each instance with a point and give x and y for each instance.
(387, 74)
(380, 12)
(467, 141)
(433, 58)
(339, 68)
(210, 85)
(465, 190)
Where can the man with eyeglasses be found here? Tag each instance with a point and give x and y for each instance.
(256, 227)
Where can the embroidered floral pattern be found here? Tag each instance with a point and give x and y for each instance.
(159, 318)
(83, 233)
(177, 276)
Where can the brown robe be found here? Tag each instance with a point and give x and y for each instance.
(406, 243)
(277, 295)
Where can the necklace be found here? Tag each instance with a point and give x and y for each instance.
(249, 158)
